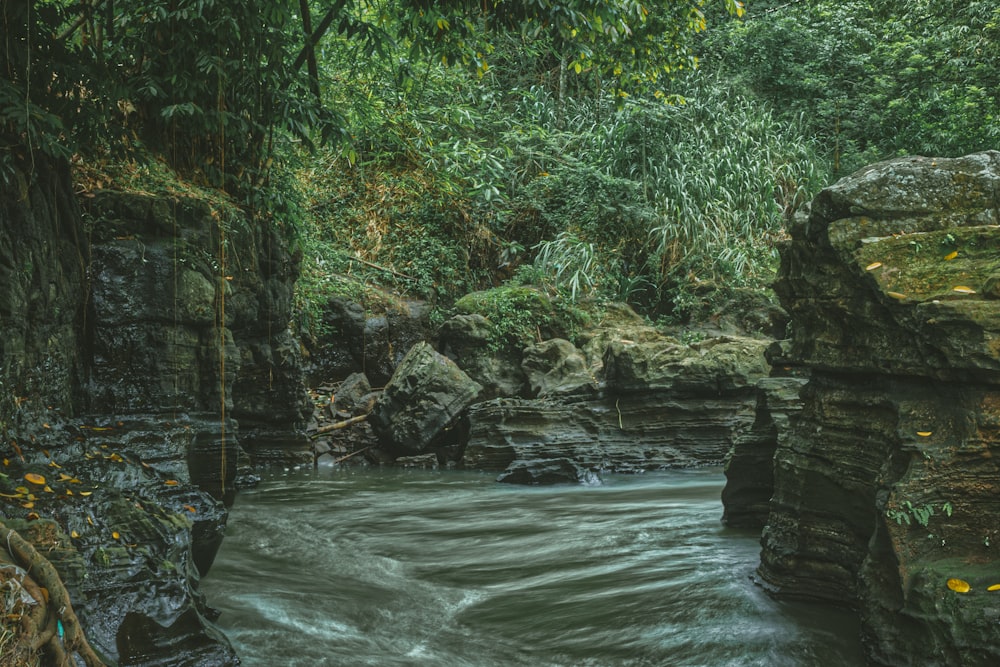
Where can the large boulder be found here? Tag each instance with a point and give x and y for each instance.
(424, 399)
(885, 488)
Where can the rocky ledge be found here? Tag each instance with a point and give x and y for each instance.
(625, 398)
(886, 488)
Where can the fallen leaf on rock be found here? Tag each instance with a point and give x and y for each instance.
(191, 509)
(74, 534)
(924, 433)
(994, 587)
(873, 266)
(171, 482)
(951, 255)
(34, 479)
(962, 289)
(115, 535)
(959, 585)
(896, 295)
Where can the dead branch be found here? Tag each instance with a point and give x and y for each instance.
(336, 426)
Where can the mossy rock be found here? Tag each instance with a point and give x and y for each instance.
(522, 315)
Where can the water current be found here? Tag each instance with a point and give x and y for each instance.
(397, 568)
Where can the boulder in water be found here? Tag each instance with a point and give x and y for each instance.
(547, 471)
(422, 401)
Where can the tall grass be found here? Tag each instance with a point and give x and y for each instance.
(709, 183)
(633, 201)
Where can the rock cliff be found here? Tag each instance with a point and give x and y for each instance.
(142, 342)
(886, 486)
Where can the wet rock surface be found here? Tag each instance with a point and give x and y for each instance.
(886, 485)
(547, 471)
(422, 402)
(649, 405)
(142, 337)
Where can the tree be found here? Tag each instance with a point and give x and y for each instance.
(210, 83)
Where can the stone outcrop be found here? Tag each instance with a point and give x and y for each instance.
(187, 313)
(648, 405)
(468, 339)
(422, 402)
(143, 341)
(547, 471)
(886, 486)
(365, 338)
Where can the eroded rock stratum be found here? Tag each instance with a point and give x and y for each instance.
(886, 484)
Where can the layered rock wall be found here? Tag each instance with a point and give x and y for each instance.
(886, 487)
(142, 338)
(650, 405)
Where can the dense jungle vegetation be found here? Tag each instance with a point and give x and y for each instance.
(642, 151)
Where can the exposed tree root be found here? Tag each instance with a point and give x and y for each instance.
(40, 625)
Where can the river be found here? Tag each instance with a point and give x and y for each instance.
(386, 567)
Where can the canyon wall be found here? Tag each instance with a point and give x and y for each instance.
(144, 353)
(886, 486)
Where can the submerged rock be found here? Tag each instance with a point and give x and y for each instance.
(547, 471)
(468, 339)
(886, 485)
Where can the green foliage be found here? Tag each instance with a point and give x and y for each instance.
(520, 315)
(874, 79)
(909, 513)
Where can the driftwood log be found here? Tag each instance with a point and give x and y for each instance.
(45, 586)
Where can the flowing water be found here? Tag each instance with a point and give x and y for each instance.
(382, 567)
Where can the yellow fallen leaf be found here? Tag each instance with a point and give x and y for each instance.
(28, 505)
(34, 479)
(896, 295)
(171, 482)
(951, 255)
(115, 535)
(962, 289)
(85, 493)
(33, 516)
(90, 520)
(959, 585)
(873, 266)
(924, 433)
(63, 477)
(191, 509)
(74, 534)
(53, 464)
(69, 492)
(994, 587)
(48, 489)
(11, 495)
(21, 489)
